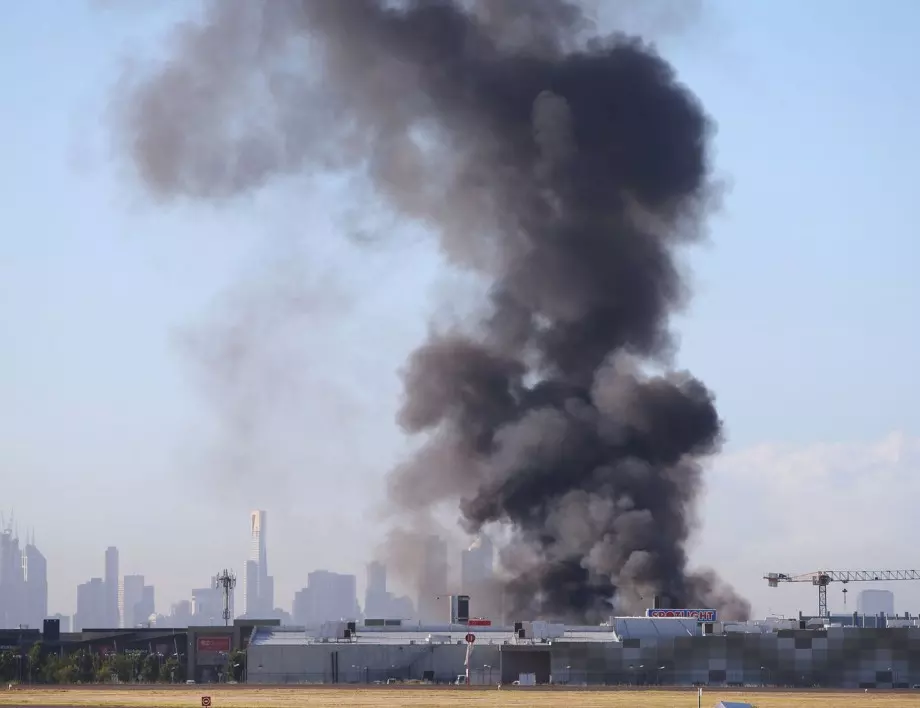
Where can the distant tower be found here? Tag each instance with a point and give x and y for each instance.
(226, 581)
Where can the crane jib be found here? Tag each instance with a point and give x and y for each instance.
(823, 578)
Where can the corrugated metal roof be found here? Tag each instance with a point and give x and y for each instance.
(640, 627)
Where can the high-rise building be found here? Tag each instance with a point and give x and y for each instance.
(180, 614)
(432, 587)
(12, 582)
(208, 604)
(380, 603)
(476, 564)
(23, 581)
(63, 619)
(146, 607)
(328, 597)
(112, 613)
(130, 599)
(302, 607)
(35, 580)
(258, 585)
(376, 597)
(90, 612)
(875, 602)
(267, 595)
(477, 579)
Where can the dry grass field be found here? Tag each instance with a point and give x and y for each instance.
(461, 697)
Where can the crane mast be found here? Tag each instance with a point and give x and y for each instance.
(823, 578)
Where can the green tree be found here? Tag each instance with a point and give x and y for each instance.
(123, 667)
(104, 668)
(8, 666)
(238, 665)
(50, 667)
(150, 669)
(172, 671)
(84, 666)
(34, 663)
(66, 671)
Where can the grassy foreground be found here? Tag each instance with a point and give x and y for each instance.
(461, 697)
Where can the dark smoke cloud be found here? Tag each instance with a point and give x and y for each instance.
(565, 168)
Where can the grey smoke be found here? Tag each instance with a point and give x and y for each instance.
(565, 168)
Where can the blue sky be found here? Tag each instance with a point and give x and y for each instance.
(803, 321)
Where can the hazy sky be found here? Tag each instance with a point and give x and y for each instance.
(804, 321)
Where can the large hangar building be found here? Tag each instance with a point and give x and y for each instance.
(675, 650)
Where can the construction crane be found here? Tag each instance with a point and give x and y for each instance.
(823, 578)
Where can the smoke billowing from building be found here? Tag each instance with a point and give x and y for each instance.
(565, 169)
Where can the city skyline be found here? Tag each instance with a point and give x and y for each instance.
(324, 596)
(125, 316)
(129, 600)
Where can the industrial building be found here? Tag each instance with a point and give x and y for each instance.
(205, 652)
(676, 650)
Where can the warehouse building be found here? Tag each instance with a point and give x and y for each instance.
(626, 650)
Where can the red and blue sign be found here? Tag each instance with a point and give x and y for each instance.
(698, 615)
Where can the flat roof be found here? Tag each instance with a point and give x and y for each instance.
(298, 636)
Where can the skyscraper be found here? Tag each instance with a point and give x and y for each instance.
(376, 597)
(477, 579)
(328, 596)
(130, 600)
(23, 581)
(875, 602)
(476, 564)
(258, 586)
(112, 614)
(90, 605)
(432, 587)
(12, 584)
(208, 604)
(35, 578)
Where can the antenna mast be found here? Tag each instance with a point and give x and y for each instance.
(226, 581)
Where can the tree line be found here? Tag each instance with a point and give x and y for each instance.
(85, 667)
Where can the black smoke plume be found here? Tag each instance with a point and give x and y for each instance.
(566, 168)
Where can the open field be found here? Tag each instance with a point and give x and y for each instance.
(460, 697)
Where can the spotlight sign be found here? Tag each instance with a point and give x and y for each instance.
(698, 615)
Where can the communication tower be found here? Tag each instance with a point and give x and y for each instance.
(225, 581)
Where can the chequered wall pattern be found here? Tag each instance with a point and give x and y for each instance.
(838, 656)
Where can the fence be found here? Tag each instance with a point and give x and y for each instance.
(598, 680)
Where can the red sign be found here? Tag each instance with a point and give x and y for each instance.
(214, 644)
(479, 623)
(470, 638)
(205, 702)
